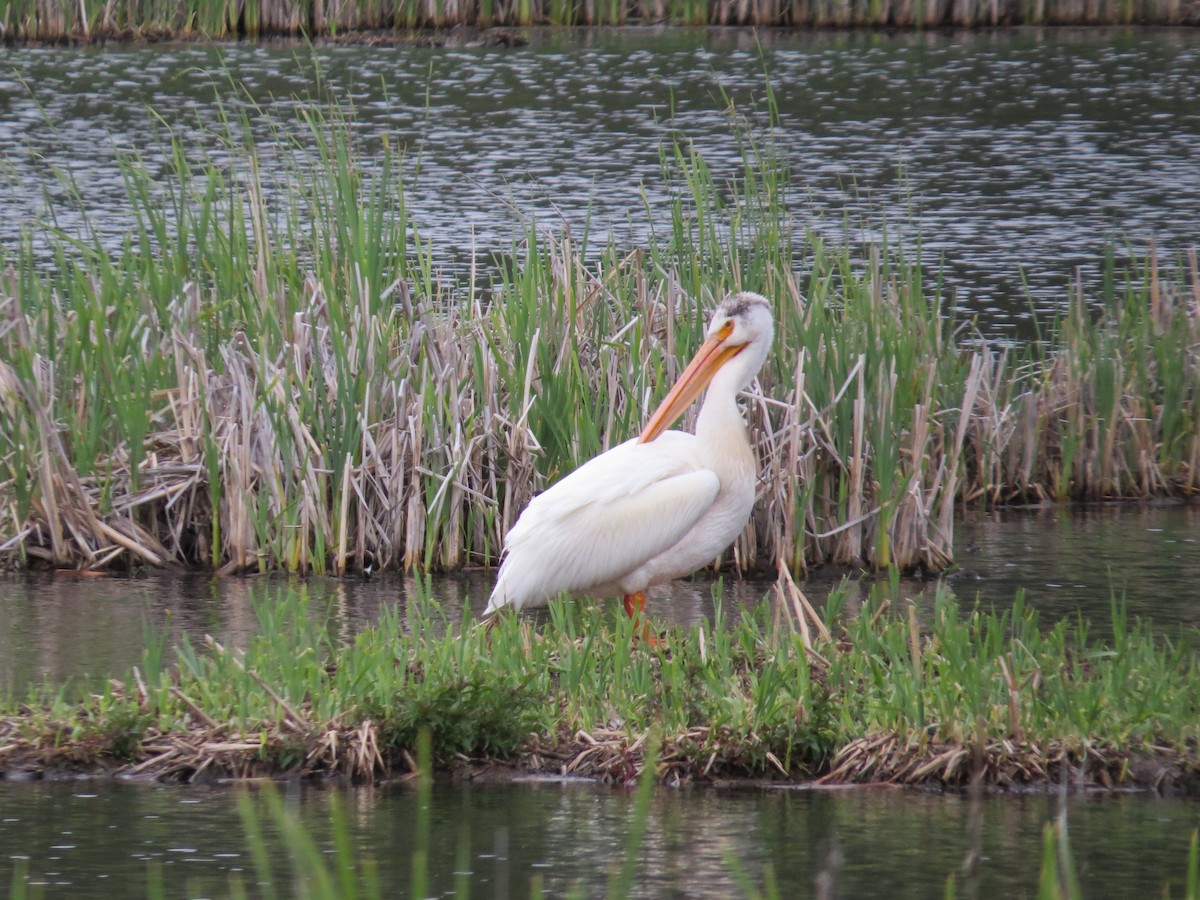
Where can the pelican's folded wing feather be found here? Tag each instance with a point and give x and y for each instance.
(604, 520)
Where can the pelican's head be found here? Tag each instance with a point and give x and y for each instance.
(742, 324)
(737, 342)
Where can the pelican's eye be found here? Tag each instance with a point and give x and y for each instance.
(725, 330)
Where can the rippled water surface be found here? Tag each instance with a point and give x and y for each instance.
(87, 839)
(1015, 155)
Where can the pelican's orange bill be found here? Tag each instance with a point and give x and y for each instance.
(713, 354)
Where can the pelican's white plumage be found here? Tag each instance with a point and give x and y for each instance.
(657, 507)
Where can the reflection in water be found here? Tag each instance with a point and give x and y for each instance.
(59, 627)
(1068, 562)
(1019, 153)
(1071, 561)
(96, 839)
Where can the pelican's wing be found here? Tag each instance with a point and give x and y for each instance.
(604, 520)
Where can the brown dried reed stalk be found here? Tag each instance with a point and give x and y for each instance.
(236, 473)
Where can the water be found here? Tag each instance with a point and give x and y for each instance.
(1073, 562)
(99, 839)
(1016, 155)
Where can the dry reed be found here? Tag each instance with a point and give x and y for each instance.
(217, 403)
(68, 20)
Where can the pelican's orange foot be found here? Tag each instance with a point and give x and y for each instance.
(634, 606)
(651, 639)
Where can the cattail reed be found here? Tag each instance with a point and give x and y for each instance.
(60, 20)
(287, 384)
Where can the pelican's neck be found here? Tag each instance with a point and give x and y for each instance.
(720, 424)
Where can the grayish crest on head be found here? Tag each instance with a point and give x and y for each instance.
(738, 304)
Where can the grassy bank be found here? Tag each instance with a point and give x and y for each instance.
(974, 695)
(61, 20)
(272, 374)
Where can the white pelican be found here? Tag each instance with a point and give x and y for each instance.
(657, 507)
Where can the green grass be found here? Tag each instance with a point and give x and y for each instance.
(979, 692)
(271, 374)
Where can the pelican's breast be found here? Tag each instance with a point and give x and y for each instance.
(716, 529)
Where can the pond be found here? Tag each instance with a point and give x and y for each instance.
(94, 839)
(1013, 157)
(1016, 157)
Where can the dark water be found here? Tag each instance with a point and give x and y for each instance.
(1016, 155)
(1077, 561)
(85, 839)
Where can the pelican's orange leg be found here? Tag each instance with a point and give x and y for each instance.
(634, 605)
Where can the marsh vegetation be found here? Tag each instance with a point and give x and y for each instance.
(272, 374)
(998, 698)
(375, 20)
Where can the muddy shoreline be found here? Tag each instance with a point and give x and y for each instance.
(1001, 768)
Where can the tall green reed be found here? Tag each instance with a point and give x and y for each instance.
(268, 375)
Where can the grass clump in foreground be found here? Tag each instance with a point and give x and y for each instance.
(976, 695)
(272, 374)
